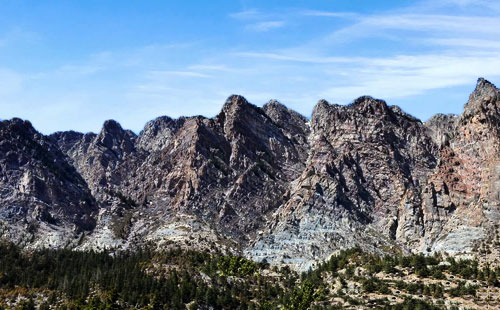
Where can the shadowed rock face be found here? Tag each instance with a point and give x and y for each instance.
(218, 168)
(269, 182)
(38, 185)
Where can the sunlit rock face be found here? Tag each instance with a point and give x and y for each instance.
(266, 182)
(464, 188)
(360, 186)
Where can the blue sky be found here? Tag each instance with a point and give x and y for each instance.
(73, 64)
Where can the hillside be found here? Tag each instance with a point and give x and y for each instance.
(265, 183)
(179, 279)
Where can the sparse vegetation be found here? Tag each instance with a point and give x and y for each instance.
(181, 279)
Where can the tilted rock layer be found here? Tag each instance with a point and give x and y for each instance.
(266, 182)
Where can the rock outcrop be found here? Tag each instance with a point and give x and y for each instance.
(264, 181)
(463, 190)
(39, 189)
(360, 186)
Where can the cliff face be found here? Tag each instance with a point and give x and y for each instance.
(360, 185)
(39, 188)
(269, 182)
(464, 187)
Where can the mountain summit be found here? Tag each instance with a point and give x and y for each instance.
(266, 182)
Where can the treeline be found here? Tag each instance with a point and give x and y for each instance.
(98, 280)
(180, 279)
(423, 266)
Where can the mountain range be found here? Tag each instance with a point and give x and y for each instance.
(265, 182)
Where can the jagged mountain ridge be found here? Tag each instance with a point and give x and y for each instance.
(273, 184)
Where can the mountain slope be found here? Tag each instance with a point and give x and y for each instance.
(272, 184)
(40, 190)
(360, 185)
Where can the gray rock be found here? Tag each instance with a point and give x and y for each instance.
(266, 182)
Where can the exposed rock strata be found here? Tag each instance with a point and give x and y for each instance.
(265, 181)
(39, 189)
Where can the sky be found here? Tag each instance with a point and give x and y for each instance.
(74, 64)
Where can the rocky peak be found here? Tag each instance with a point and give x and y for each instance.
(322, 107)
(111, 126)
(18, 126)
(254, 135)
(158, 133)
(484, 87)
(364, 117)
(370, 105)
(276, 107)
(30, 145)
(235, 102)
(364, 105)
(115, 138)
(66, 139)
(233, 109)
(159, 124)
(485, 99)
(238, 109)
(35, 175)
(293, 123)
(402, 114)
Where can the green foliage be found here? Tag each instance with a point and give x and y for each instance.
(91, 280)
(437, 273)
(465, 268)
(236, 266)
(371, 285)
(183, 279)
(301, 297)
(412, 304)
(463, 289)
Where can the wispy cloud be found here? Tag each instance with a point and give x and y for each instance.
(179, 73)
(467, 5)
(298, 57)
(403, 76)
(258, 21)
(478, 44)
(450, 50)
(209, 68)
(329, 14)
(394, 54)
(266, 26)
(246, 14)
(430, 24)
(393, 77)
